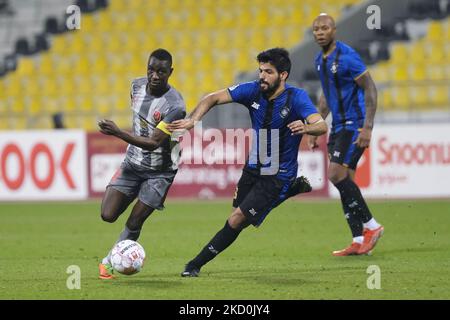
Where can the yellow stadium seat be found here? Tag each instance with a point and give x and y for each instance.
(4, 125)
(32, 105)
(435, 31)
(417, 52)
(439, 95)
(386, 100)
(18, 123)
(401, 98)
(399, 53)
(89, 123)
(44, 65)
(12, 86)
(399, 73)
(88, 72)
(18, 106)
(25, 67)
(32, 88)
(379, 73)
(50, 105)
(436, 72)
(436, 52)
(70, 122)
(419, 97)
(85, 103)
(417, 72)
(102, 107)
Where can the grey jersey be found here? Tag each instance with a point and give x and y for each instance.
(148, 112)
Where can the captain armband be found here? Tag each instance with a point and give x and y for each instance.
(163, 127)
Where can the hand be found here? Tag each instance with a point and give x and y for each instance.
(183, 124)
(363, 140)
(108, 127)
(297, 127)
(312, 142)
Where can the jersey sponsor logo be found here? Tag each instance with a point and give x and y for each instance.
(252, 212)
(255, 105)
(348, 122)
(157, 116)
(334, 67)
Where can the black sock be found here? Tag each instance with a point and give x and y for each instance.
(355, 208)
(128, 234)
(218, 243)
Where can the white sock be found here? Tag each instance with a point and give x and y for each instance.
(359, 239)
(372, 224)
(107, 259)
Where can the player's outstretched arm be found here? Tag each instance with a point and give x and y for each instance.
(206, 104)
(108, 127)
(315, 126)
(370, 98)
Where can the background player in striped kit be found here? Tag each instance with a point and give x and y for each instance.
(350, 94)
(148, 169)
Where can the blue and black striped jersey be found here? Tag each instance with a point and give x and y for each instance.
(338, 72)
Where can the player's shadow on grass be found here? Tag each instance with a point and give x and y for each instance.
(423, 249)
(150, 283)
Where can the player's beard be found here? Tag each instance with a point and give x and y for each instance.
(271, 88)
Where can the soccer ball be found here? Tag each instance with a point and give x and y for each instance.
(127, 257)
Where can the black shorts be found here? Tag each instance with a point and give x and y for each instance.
(342, 150)
(256, 195)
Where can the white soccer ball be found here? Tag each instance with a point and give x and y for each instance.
(127, 257)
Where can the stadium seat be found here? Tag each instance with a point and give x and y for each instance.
(423, 65)
(88, 72)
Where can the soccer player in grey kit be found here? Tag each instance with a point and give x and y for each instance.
(148, 169)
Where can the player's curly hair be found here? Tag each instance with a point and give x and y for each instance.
(278, 57)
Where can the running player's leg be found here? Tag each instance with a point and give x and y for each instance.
(372, 230)
(152, 194)
(133, 226)
(264, 195)
(120, 192)
(344, 156)
(114, 203)
(230, 231)
(222, 240)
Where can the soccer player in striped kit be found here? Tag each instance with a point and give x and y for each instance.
(148, 169)
(280, 115)
(350, 94)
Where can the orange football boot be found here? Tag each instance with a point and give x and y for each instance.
(371, 238)
(105, 271)
(349, 251)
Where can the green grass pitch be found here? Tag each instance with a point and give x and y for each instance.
(288, 257)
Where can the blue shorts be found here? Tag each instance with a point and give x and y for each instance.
(342, 150)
